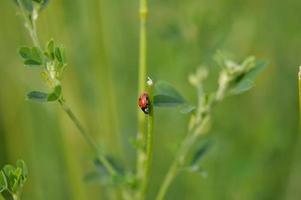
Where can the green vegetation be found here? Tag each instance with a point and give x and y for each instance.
(12, 180)
(172, 154)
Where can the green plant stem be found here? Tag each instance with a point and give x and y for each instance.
(31, 26)
(193, 136)
(141, 136)
(180, 157)
(149, 144)
(87, 137)
(299, 81)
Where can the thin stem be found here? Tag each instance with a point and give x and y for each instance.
(87, 137)
(176, 164)
(141, 136)
(149, 143)
(31, 26)
(299, 80)
(194, 134)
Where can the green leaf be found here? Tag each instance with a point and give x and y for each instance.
(32, 56)
(186, 109)
(8, 170)
(3, 182)
(59, 54)
(246, 82)
(50, 48)
(166, 95)
(21, 164)
(31, 63)
(12, 179)
(37, 96)
(199, 153)
(55, 94)
(36, 54)
(25, 52)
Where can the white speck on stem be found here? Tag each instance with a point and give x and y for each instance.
(149, 81)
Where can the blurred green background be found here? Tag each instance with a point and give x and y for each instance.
(254, 135)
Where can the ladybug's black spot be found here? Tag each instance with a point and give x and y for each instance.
(145, 110)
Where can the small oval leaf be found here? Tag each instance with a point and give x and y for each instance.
(166, 95)
(200, 152)
(32, 63)
(55, 95)
(186, 109)
(37, 96)
(59, 54)
(25, 52)
(247, 81)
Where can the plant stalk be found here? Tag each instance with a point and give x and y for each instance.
(87, 137)
(31, 26)
(178, 162)
(141, 136)
(193, 136)
(299, 81)
(149, 143)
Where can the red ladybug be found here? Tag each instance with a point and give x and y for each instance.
(144, 103)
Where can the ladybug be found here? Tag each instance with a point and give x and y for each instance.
(144, 103)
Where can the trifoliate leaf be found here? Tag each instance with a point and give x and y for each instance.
(166, 95)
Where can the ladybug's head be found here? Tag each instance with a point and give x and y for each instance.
(143, 103)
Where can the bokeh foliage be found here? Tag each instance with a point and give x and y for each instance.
(254, 136)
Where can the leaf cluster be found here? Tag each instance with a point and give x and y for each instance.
(52, 62)
(12, 179)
